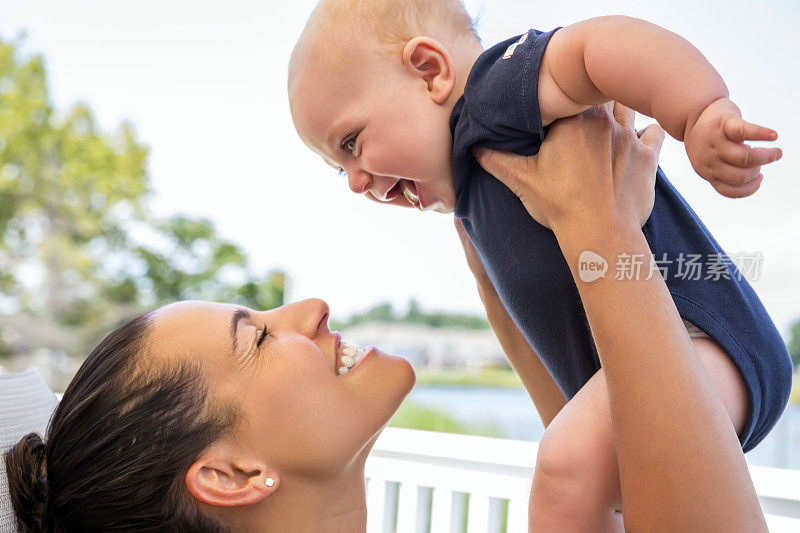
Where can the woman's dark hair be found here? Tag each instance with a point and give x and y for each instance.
(119, 445)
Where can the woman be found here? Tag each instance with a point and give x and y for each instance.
(209, 417)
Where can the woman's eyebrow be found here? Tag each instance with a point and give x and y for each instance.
(239, 314)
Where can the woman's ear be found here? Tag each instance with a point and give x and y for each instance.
(429, 60)
(219, 478)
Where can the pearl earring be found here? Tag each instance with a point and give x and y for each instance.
(269, 482)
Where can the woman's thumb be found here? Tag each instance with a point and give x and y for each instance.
(502, 165)
(653, 136)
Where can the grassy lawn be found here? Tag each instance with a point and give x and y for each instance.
(413, 416)
(794, 396)
(492, 377)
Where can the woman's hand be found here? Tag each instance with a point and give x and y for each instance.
(570, 182)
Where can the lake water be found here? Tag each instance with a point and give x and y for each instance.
(511, 411)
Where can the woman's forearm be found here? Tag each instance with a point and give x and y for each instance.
(664, 440)
(541, 387)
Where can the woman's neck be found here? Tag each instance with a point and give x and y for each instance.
(338, 504)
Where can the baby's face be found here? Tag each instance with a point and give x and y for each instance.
(377, 124)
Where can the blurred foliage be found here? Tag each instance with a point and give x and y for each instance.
(414, 416)
(794, 344)
(488, 377)
(198, 264)
(72, 198)
(384, 312)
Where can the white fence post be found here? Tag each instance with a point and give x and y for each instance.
(492, 470)
(376, 498)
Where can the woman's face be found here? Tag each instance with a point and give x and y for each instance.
(297, 413)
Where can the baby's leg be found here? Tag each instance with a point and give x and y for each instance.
(576, 480)
(576, 483)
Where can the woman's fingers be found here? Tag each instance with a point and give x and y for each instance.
(653, 136)
(625, 116)
(505, 166)
(520, 174)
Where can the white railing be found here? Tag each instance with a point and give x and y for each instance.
(420, 481)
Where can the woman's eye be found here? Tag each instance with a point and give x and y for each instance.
(261, 336)
(350, 146)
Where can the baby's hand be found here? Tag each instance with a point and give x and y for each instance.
(715, 146)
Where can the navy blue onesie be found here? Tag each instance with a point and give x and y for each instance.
(500, 110)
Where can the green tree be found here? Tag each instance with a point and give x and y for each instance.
(383, 312)
(71, 196)
(195, 263)
(66, 190)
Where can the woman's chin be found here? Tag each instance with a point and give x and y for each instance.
(411, 378)
(392, 377)
(401, 373)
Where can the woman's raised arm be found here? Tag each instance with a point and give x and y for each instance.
(681, 466)
(541, 386)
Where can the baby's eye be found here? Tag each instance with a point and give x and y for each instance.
(350, 145)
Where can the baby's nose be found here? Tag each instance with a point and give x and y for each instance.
(359, 182)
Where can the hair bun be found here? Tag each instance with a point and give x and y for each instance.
(27, 481)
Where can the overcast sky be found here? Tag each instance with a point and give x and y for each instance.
(205, 85)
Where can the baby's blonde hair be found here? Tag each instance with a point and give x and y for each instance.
(391, 23)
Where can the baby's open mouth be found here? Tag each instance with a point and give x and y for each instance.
(410, 192)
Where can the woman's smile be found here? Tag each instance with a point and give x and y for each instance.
(349, 356)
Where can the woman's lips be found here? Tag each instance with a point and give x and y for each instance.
(337, 352)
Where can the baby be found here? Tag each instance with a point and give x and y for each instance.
(395, 93)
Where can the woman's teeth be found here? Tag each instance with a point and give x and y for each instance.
(351, 354)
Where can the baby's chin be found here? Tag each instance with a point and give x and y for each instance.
(445, 201)
(447, 205)
(440, 206)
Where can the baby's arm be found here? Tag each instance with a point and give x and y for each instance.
(659, 74)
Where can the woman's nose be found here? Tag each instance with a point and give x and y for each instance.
(309, 317)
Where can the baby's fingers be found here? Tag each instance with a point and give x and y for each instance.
(733, 175)
(738, 130)
(740, 191)
(743, 156)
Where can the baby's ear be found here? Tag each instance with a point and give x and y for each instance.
(429, 60)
